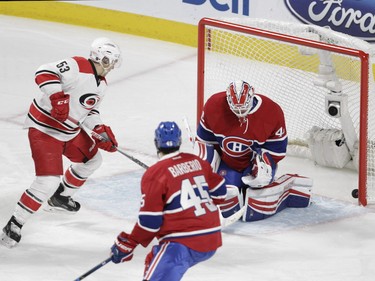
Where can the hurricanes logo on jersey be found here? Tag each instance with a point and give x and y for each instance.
(236, 147)
(88, 101)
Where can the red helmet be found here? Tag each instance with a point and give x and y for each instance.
(240, 98)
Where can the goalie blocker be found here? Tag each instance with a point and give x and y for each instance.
(288, 191)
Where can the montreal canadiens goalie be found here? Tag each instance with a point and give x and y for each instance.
(243, 135)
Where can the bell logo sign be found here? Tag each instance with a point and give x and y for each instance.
(225, 5)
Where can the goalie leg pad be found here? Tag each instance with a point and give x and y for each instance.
(300, 193)
(233, 202)
(207, 152)
(287, 191)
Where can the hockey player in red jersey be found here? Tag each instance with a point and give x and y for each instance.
(243, 135)
(178, 207)
(71, 91)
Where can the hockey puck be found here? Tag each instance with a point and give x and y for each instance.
(355, 193)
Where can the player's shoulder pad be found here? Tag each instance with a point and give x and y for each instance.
(268, 103)
(84, 65)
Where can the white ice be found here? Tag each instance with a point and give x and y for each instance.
(333, 240)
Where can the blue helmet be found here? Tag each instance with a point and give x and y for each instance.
(167, 135)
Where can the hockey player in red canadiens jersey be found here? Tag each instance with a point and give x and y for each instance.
(71, 91)
(178, 207)
(243, 135)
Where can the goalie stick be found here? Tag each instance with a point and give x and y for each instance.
(232, 218)
(237, 215)
(95, 268)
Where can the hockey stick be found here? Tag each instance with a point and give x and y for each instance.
(232, 218)
(224, 221)
(100, 137)
(237, 215)
(188, 130)
(135, 160)
(95, 268)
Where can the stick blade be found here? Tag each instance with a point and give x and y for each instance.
(225, 222)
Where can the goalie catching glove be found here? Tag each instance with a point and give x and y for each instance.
(104, 138)
(60, 106)
(123, 248)
(263, 172)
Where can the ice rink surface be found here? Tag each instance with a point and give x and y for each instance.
(332, 240)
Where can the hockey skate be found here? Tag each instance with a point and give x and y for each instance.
(60, 203)
(11, 235)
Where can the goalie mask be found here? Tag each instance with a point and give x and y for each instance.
(106, 53)
(167, 137)
(240, 98)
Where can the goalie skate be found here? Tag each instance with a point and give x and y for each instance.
(11, 235)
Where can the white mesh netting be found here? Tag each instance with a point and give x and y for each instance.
(296, 77)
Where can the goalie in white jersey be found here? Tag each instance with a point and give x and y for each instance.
(71, 92)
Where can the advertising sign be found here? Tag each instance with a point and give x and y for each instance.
(353, 17)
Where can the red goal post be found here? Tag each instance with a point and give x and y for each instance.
(306, 66)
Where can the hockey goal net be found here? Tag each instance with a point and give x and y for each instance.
(322, 79)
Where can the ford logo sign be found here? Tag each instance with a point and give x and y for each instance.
(353, 17)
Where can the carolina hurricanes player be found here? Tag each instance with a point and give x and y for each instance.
(178, 207)
(243, 135)
(71, 90)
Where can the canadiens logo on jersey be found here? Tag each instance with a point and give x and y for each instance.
(89, 101)
(236, 147)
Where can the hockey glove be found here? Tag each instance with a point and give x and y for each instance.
(263, 173)
(104, 138)
(123, 248)
(60, 106)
